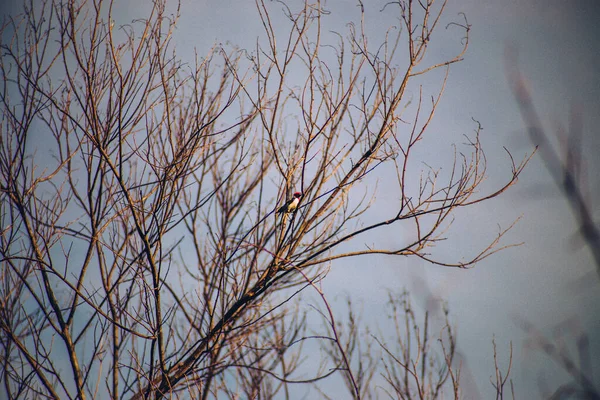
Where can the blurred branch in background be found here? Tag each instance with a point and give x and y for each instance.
(579, 367)
(567, 171)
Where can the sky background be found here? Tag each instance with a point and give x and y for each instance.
(548, 281)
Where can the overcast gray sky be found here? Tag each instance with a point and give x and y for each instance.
(548, 280)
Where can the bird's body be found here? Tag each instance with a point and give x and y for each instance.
(291, 205)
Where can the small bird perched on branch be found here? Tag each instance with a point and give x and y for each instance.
(290, 205)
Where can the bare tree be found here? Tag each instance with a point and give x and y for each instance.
(413, 358)
(141, 257)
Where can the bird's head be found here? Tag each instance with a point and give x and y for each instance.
(297, 195)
